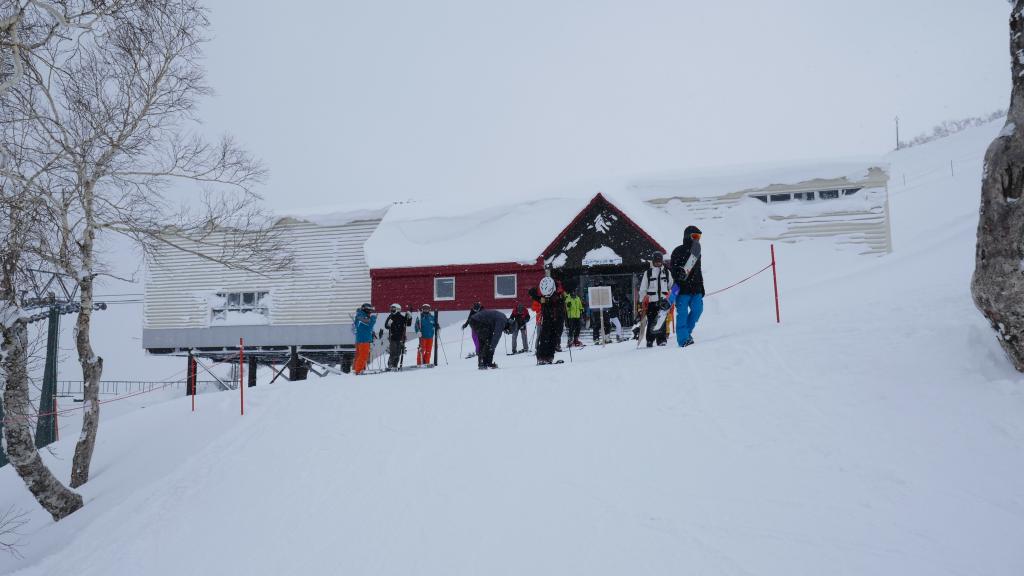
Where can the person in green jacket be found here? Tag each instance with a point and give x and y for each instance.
(573, 313)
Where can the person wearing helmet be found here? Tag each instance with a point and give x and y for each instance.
(488, 325)
(426, 326)
(655, 288)
(396, 324)
(552, 318)
(476, 343)
(362, 325)
(686, 267)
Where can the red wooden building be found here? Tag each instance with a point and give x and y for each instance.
(495, 255)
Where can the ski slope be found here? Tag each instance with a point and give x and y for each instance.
(877, 431)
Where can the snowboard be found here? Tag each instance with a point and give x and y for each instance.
(553, 363)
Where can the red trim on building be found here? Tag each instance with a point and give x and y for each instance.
(414, 286)
(554, 242)
(473, 283)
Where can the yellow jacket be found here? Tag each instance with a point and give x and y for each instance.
(573, 306)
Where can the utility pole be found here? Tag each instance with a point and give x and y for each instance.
(897, 132)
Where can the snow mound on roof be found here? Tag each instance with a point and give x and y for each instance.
(420, 234)
(727, 179)
(338, 214)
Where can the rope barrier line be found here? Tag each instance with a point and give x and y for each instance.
(73, 409)
(762, 270)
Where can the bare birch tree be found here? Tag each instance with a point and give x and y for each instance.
(119, 105)
(26, 238)
(27, 26)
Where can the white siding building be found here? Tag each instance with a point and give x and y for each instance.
(196, 305)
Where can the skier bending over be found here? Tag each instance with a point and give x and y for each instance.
(427, 326)
(476, 342)
(690, 285)
(362, 325)
(552, 318)
(488, 325)
(395, 325)
(655, 288)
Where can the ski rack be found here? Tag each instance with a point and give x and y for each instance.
(327, 369)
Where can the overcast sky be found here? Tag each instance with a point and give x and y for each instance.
(350, 101)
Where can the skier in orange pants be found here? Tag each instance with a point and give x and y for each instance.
(427, 326)
(362, 325)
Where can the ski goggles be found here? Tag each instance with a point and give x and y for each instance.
(695, 236)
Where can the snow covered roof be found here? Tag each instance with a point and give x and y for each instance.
(725, 180)
(443, 233)
(420, 234)
(337, 215)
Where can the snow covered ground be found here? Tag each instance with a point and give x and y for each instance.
(878, 430)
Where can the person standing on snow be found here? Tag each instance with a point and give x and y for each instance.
(363, 324)
(426, 325)
(521, 317)
(551, 318)
(686, 267)
(395, 325)
(613, 317)
(573, 314)
(476, 342)
(655, 288)
(488, 325)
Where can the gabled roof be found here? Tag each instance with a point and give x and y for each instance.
(599, 198)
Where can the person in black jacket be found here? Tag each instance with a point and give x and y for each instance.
(396, 324)
(686, 269)
(552, 322)
(488, 325)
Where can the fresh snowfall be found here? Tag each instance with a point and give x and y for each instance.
(876, 431)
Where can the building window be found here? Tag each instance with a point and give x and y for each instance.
(504, 285)
(808, 195)
(850, 191)
(761, 198)
(781, 197)
(240, 307)
(444, 288)
(828, 194)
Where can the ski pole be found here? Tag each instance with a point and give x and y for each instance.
(462, 342)
(440, 345)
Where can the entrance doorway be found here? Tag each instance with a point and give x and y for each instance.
(624, 287)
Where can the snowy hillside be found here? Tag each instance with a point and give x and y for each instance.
(878, 430)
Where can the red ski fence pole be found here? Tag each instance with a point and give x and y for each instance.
(775, 279)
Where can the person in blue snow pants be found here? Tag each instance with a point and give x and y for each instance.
(688, 310)
(688, 290)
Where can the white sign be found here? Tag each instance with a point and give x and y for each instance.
(600, 297)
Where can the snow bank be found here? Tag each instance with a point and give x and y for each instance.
(876, 431)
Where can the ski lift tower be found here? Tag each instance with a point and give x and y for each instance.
(54, 294)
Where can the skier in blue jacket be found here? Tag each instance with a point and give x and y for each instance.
(426, 325)
(363, 326)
